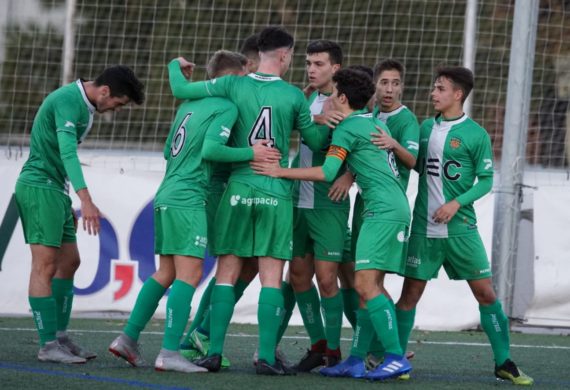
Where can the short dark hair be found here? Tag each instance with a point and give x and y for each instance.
(460, 77)
(388, 64)
(250, 46)
(326, 46)
(224, 60)
(355, 85)
(273, 37)
(121, 81)
(362, 68)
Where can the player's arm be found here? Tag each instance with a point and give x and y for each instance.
(67, 143)
(326, 172)
(217, 135)
(182, 89)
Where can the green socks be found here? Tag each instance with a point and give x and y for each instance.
(177, 313)
(145, 306)
(332, 313)
(385, 323)
(62, 292)
(269, 317)
(405, 325)
(289, 305)
(310, 308)
(222, 309)
(363, 334)
(239, 288)
(351, 302)
(496, 325)
(44, 313)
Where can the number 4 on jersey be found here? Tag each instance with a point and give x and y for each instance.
(262, 128)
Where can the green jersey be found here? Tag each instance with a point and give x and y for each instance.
(63, 120)
(268, 109)
(405, 129)
(185, 182)
(452, 154)
(376, 169)
(309, 194)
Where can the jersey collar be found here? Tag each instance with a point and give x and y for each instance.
(439, 119)
(264, 77)
(89, 105)
(387, 114)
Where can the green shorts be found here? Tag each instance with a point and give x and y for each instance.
(381, 246)
(463, 257)
(180, 231)
(211, 209)
(320, 232)
(357, 220)
(251, 223)
(47, 217)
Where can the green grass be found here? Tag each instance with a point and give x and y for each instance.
(444, 360)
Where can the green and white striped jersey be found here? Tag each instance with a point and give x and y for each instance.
(452, 154)
(309, 194)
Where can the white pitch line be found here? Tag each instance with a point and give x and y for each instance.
(306, 338)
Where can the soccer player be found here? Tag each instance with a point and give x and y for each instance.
(199, 132)
(454, 151)
(319, 224)
(256, 211)
(382, 243)
(197, 341)
(403, 142)
(62, 122)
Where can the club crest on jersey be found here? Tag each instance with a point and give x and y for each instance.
(455, 143)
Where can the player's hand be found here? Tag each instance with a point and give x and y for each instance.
(186, 67)
(446, 212)
(89, 212)
(308, 90)
(341, 186)
(267, 169)
(329, 118)
(383, 140)
(262, 152)
(75, 221)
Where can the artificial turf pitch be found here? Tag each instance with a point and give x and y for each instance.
(444, 360)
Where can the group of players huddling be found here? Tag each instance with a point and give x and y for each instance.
(228, 188)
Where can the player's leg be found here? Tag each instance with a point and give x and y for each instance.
(171, 229)
(423, 261)
(126, 345)
(62, 291)
(381, 248)
(222, 308)
(248, 273)
(467, 254)
(270, 315)
(350, 297)
(202, 317)
(188, 275)
(43, 215)
(273, 245)
(301, 271)
(328, 231)
(332, 307)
